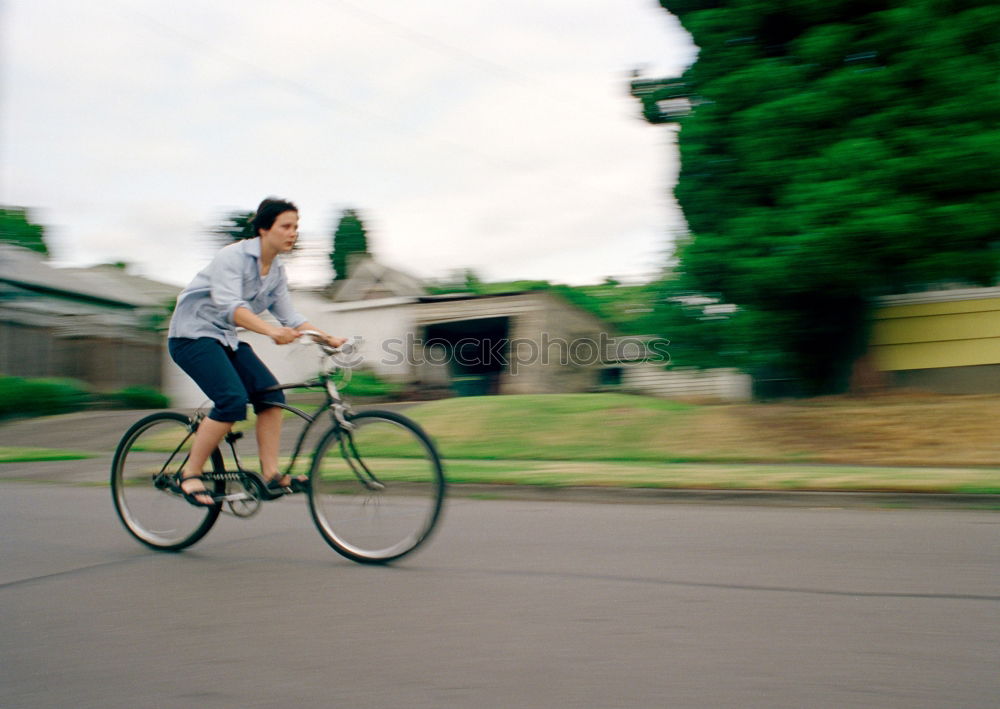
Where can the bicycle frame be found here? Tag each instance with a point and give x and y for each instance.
(333, 403)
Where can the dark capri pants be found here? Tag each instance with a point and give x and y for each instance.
(230, 379)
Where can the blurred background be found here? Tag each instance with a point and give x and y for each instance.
(777, 199)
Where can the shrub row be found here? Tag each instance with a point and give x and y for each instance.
(44, 397)
(137, 398)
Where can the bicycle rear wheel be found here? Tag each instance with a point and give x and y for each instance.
(376, 492)
(151, 451)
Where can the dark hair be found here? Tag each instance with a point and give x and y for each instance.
(268, 211)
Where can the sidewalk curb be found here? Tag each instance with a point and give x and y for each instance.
(789, 498)
(833, 499)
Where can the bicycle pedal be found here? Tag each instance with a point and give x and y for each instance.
(276, 493)
(255, 482)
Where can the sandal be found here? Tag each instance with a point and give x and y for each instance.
(193, 497)
(295, 485)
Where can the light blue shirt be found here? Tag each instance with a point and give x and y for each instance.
(232, 280)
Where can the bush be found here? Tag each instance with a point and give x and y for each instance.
(137, 398)
(367, 383)
(41, 397)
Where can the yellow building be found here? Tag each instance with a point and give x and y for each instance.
(946, 341)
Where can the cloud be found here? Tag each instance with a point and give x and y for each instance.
(494, 135)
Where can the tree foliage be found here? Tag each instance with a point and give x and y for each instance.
(838, 150)
(17, 228)
(349, 238)
(234, 226)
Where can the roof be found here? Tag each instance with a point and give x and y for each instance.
(107, 285)
(135, 286)
(939, 296)
(474, 296)
(370, 279)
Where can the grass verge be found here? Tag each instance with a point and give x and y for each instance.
(899, 443)
(18, 454)
(908, 431)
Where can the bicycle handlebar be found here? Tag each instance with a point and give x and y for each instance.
(347, 348)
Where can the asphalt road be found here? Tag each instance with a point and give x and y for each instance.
(512, 604)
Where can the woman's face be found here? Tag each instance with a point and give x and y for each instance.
(283, 233)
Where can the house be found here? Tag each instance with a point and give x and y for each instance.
(524, 342)
(100, 325)
(946, 341)
(529, 342)
(372, 280)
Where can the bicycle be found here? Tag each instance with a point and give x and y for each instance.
(376, 481)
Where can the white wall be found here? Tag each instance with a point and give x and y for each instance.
(728, 385)
(381, 323)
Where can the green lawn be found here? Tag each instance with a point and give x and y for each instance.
(948, 431)
(18, 454)
(890, 444)
(634, 441)
(555, 427)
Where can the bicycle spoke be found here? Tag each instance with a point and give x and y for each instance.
(153, 451)
(377, 491)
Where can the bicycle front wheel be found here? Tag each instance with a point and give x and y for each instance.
(377, 490)
(150, 452)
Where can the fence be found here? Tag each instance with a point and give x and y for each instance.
(105, 363)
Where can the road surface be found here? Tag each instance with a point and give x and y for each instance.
(512, 604)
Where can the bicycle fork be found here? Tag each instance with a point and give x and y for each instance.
(357, 465)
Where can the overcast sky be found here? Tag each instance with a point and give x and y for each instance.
(496, 135)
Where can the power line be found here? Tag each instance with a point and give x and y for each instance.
(291, 85)
(446, 48)
(360, 112)
(420, 38)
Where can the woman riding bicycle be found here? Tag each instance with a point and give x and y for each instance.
(244, 279)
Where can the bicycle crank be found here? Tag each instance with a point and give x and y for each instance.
(243, 495)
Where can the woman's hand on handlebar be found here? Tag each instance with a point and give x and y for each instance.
(283, 335)
(330, 340)
(323, 338)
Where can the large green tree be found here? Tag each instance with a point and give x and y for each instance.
(17, 228)
(349, 238)
(836, 150)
